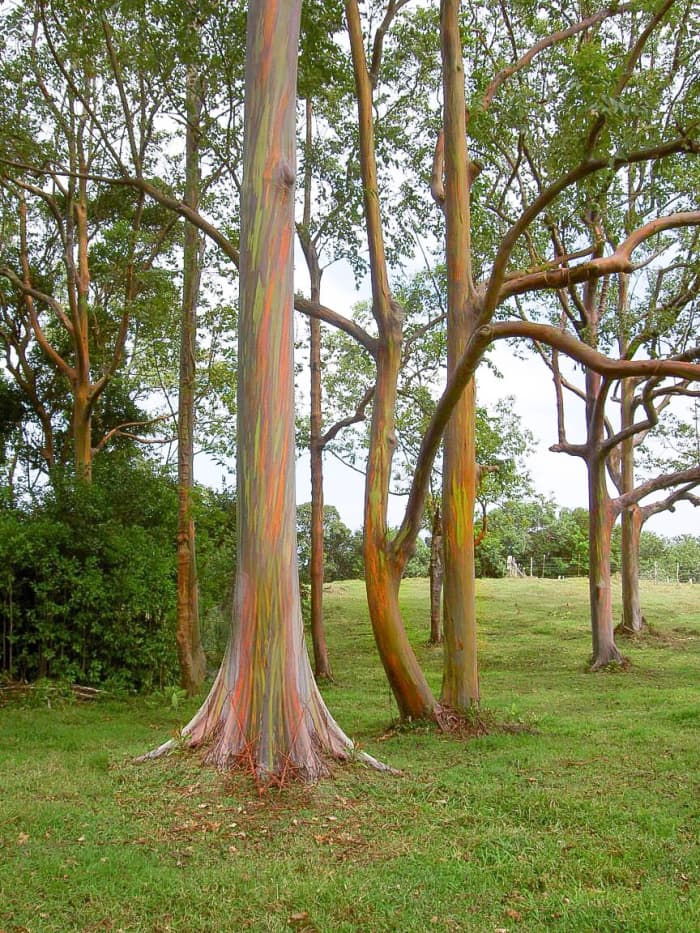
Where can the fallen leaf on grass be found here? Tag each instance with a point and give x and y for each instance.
(301, 915)
(22, 839)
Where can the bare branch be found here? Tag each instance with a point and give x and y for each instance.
(356, 418)
(351, 328)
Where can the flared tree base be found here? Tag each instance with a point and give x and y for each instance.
(608, 656)
(292, 736)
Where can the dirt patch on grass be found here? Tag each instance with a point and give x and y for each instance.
(651, 637)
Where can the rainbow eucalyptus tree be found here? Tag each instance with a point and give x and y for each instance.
(523, 192)
(264, 708)
(667, 290)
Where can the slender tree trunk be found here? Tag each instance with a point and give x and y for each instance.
(82, 434)
(383, 566)
(82, 401)
(382, 569)
(632, 618)
(264, 708)
(436, 578)
(460, 683)
(601, 521)
(189, 643)
(322, 667)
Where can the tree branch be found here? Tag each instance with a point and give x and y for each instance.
(356, 418)
(546, 43)
(617, 262)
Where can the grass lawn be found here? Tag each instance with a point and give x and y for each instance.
(586, 820)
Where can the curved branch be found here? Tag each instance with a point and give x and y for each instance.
(119, 430)
(546, 43)
(589, 167)
(689, 478)
(328, 316)
(617, 262)
(474, 351)
(668, 504)
(359, 416)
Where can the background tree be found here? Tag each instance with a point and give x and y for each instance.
(190, 651)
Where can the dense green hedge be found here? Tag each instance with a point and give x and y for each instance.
(88, 578)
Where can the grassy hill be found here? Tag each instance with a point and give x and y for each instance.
(583, 816)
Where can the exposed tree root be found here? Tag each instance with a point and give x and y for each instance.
(472, 724)
(615, 665)
(626, 631)
(297, 747)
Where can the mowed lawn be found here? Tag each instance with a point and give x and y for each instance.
(583, 815)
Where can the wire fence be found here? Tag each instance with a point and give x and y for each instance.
(663, 573)
(557, 569)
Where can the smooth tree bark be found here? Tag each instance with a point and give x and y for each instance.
(633, 620)
(677, 487)
(460, 682)
(189, 643)
(264, 709)
(384, 560)
(322, 666)
(436, 577)
(601, 519)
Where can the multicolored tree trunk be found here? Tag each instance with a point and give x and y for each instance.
(632, 618)
(460, 684)
(384, 564)
(322, 667)
(632, 521)
(264, 709)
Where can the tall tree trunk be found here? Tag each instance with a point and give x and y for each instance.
(601, 519)
(436, 578)
(383, 565)
(189, 643)
(82, 396)
(322, 667)
(632, 620)
(264, 708)
(460, 683)
(382, 568)
(81, 427)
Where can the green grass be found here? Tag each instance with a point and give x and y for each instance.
(587, 821)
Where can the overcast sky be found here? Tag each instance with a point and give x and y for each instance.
(554, 474)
